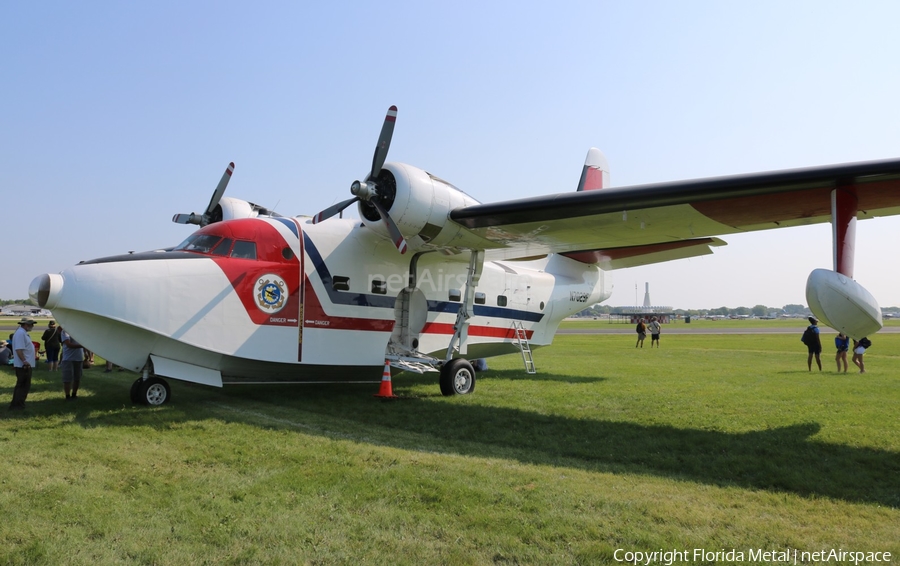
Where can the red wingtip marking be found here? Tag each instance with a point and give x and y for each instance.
(594, 179)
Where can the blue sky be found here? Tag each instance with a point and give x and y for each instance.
(116, 115)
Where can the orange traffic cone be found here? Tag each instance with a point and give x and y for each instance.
(386, 391)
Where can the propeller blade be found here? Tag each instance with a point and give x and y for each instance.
(220, 189)
(332, 210)
(384, 143)
(203, 219)
(186, 219)
(396, 236)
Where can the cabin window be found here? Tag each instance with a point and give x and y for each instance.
(244, 250)
(200, 243)
(479, 298)
(287, 253)
(223, 248)
(501, 300)
(379, 287)
(340, 283)
(454, 295)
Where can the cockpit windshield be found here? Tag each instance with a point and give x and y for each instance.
(201, 243)
(218, 246)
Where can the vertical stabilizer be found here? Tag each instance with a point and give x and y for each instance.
(595, 174)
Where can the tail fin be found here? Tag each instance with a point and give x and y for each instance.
(595, 174)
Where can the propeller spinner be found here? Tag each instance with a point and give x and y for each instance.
(211, 214)
(368, 190)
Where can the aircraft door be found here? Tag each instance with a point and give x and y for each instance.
(410, 315)
(519, 288)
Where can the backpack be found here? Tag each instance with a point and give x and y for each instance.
(809, 336)
(865, 343)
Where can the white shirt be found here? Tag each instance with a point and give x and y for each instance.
(22, 341)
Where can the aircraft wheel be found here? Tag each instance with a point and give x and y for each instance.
(154, 392)
(136, 390)
(457, 377)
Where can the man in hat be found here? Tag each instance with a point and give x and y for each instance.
(24, 362)
(813, 343)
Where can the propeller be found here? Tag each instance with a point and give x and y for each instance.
(368, 190)
(210, 215)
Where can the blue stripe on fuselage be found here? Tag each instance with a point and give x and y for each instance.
(383, 301)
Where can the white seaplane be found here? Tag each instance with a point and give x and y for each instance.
(429, 276)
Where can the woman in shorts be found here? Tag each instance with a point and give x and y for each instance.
(858, 351)
(842, 343)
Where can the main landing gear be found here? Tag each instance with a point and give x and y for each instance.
(151, 391)
(457, 377)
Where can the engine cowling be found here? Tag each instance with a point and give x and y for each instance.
(232, 208)
(419, 203)
(227, 208)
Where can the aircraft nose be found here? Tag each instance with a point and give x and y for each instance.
(45, 290)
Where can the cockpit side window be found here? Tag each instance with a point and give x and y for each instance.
(223, 248)
(200, 243)
(244, 249)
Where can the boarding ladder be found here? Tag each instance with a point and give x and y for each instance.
(521, 340)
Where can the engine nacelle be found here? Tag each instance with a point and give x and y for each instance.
(228, 208)
(236, 208)
(419, 203)
(843, 304)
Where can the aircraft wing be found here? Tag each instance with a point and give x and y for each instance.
(638, 225)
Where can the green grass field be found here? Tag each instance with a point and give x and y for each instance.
(787, 324)
(722, 442)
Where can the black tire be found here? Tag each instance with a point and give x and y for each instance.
(457, 377)
(136, 390)
(154, 392)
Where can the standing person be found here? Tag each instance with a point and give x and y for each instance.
(842, 343)
(50, 337)
(72, 364)
(859, 348)
(655, 329)
(23, 348)
(641, 332)
(813, 343)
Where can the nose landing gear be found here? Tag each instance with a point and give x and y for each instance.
(152, 391)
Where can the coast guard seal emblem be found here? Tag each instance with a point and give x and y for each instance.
(271, 293)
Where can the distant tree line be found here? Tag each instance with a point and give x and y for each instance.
(758, 311)
(4, 302)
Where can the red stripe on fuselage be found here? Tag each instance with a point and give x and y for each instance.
(314, 316)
